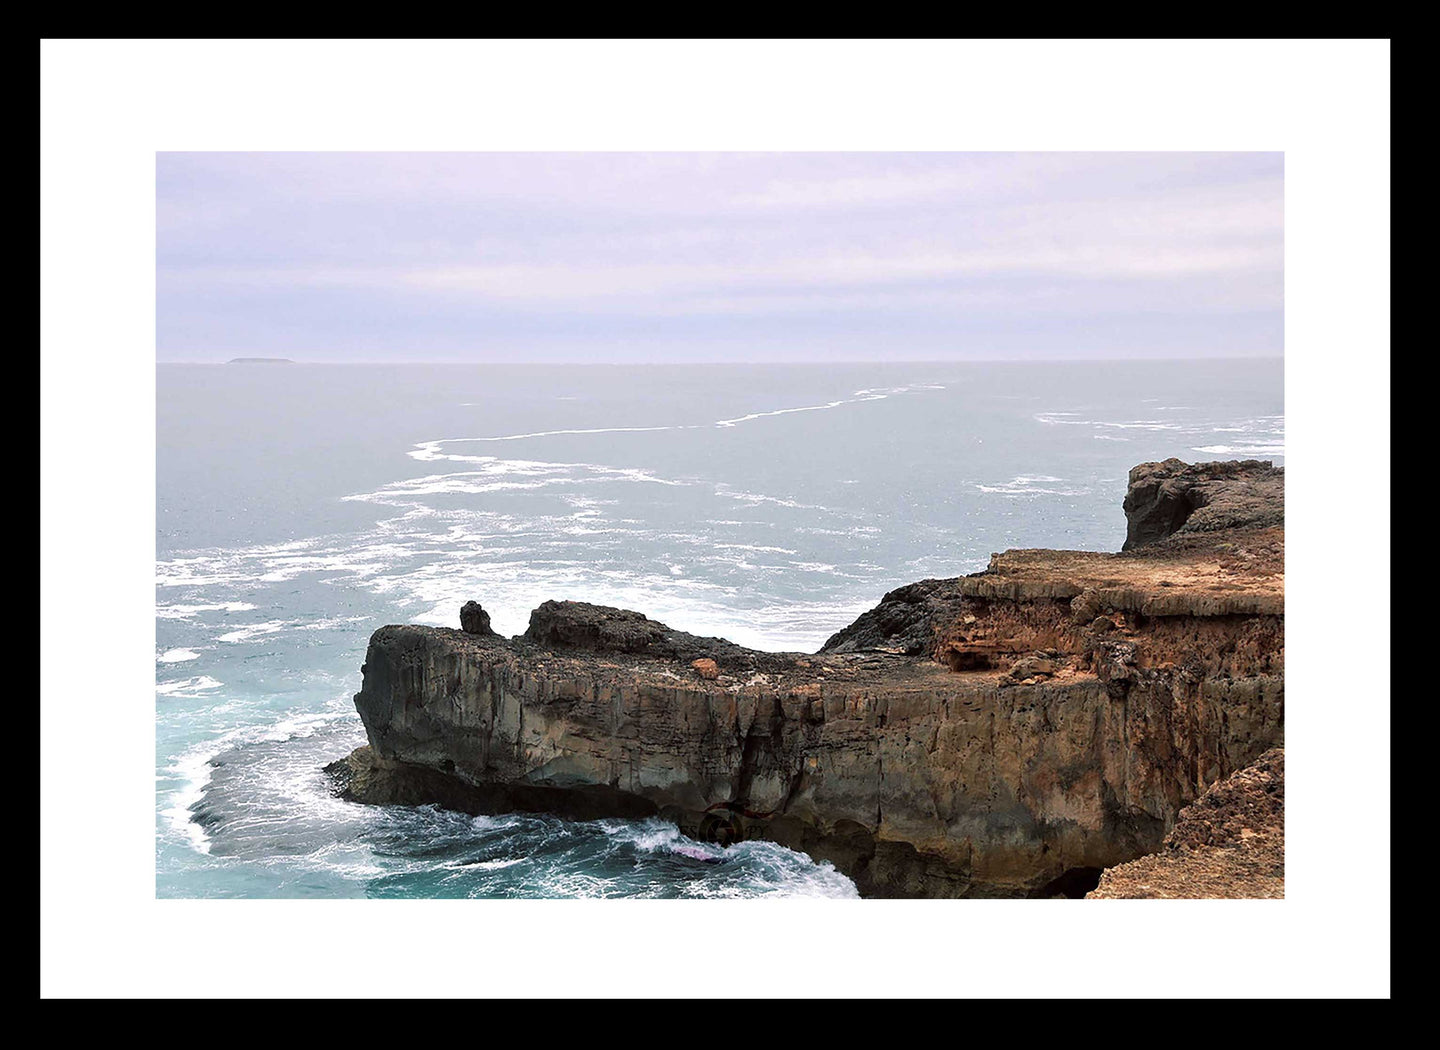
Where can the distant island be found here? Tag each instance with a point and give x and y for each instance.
(259, 361)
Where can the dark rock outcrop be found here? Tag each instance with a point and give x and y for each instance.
(582, 627)
(903, 622)
(1174, 496)
(1229, 843)
(366, 776)
(474, 619)
(1009, 733)
(597, 628)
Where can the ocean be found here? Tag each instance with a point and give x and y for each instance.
(300, 507)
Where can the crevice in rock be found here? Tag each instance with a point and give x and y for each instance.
(1073, 883)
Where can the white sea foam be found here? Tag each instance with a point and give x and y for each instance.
(787, 411)
(428, 561)
(269, 564)
(1241, 450)
(490, 865)
(185, 612)
(193, 766)
(589, 430)
(497, 475)
(756, 498)
(1054, 419)
(1030, 485)
(877, 394)
(177, 656)
(331, 623)
(255, 630)
(750, 547)
(188, 687)
(429, 450)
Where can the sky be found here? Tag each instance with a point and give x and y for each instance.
(718, 257)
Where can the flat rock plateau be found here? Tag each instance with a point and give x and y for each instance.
(1012, 733)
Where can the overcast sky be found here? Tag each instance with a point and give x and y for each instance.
(718, 257)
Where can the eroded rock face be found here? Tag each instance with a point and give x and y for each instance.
(1229, 843)
(1174, 496)
(1009, 733)
(915, 780)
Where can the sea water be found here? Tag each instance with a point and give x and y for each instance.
(302, 506)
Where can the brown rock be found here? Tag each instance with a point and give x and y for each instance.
(1229, 843)
(1036, 665)
(946, 784)
(706, 668)
(1174, 496)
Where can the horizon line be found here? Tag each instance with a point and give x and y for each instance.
(712, 364)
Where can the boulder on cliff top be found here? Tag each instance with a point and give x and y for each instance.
(581, 626)
(596, 628)
(903, 622)
(1178, 497)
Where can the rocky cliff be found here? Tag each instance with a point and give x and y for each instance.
(1229, 843)
(1176, 497)
(1009, 733)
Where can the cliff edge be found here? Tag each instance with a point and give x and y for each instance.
(1172, 497)
(1009, 733)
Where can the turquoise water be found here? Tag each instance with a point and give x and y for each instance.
(302, 506)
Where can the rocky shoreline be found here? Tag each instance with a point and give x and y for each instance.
(1010, 733)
